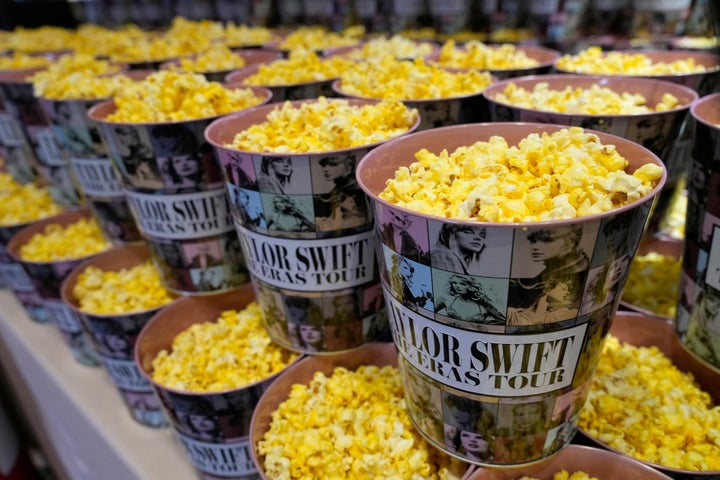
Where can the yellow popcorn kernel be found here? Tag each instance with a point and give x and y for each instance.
(231, 352)
(388, 77)
(335, 125)
(245, 35)
(171, 96)
(566, 174)
(595, 100)
(347, 425)
(653, 283)
(20, 60)
(594, 60)
(643, 405)
(315, 38)
(302, 66)
(76, 240)
(396, 45)
(217, 58)
(565, 475)
(475, 54)
(24, 203)
(124, 291)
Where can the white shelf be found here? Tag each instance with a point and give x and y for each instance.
(75, 411)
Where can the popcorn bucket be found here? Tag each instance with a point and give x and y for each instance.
(20, 160)
(47, 278)
(81, 143)
(306, 231)
(697, 321)
(302, 373)
(249, 56)
(114, 335)
(52, 165)
(13, 276)
(656, 131)
(213, 427)
(295, 91)
(175, 190)
(499, 325)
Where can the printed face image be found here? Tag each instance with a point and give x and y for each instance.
(527, 416)
(310, 334)
(649, 128)
(185, 165)
(281, 167)
(398, 220)
(344, 305)
(472, 442)
(333, 168)
(201, 422)
(472, 239)
(116, 343)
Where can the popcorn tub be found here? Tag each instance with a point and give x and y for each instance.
(293, 91)
(698, 317)
(20, 160)
(174, 187)
(114, 335)
(47, 278)
(306, 231)
(47, 155)
(81, 143)
(214, 426)
(341, 455)
(498, 324)
(656, 130)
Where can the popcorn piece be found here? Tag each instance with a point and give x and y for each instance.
(77, 240)
(596, 100)
(315, 38)
(21, 60)
(302, 66)
(124, 291)
(653, 283)
(641, 404)
(78, 76)
(24, 203)
(326, 124)
(387, 77)
(170, 96)
(231, 352)
(217, 58)
(475, 54)
(566, 174)
(397, 46)
(565, 475)
(351, 424)
(594, 60)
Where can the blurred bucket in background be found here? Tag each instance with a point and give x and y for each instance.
(498, 324)
(175, 189)
(53, 168)
(114, 335)
(20, 160)
(82, 145)
(47, 277)
(214, 427)
(697, 321)
(306, 231)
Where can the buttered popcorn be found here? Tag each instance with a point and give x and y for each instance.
(324, 125)
(475, 54)
(229, 353)
(397, 46)
(78, 76)
(316, 38)
(24, 203)
(594, 60)
(56, 242)
(217, 58)
(21, 60)
(596, 100)
(350, 425)
(641, 404)
(653, 283)
(170, 96)
(565, 475)
(565, 174)
(302, 66)
(387, 77)
(123, 291)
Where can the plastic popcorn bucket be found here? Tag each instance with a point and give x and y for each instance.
(250, 56)
(294, 91)
(13, 276)
(47, 278)
(176, 193)
(657, 131)
(52, 165)
(20, 160)
(306, 231)
(499, 325)
(81, 143)
(213, 427)
(114, 335)
(371, 354)
(697, 321)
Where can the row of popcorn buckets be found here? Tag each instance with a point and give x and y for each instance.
(315, 307)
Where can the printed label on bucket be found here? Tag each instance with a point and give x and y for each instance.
(191, 215)
(65, 319)
(11, 134)
(126, 375)
(310, 265)
(15, 278)
(47, 146)
(226, 460)
(484, 363)
(97, 177)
